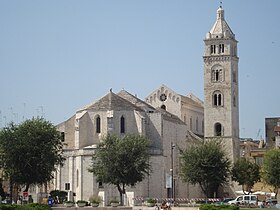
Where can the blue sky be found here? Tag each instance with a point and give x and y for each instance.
(58, 56)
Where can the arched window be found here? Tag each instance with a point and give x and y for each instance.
(221, 48)
(122, 124)
(98, 124)
(217, 98)
(217, 74)
(218, 129)
(163, 107)
(213, 49)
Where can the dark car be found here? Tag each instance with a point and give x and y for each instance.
(271, 202)
(225, 201)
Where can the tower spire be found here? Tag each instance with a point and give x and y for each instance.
(221, 4)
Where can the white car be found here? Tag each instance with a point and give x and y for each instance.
(245, 199)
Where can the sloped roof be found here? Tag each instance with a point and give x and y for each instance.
(192, 99)
(221, 27)
(111, 101)
(134, 100)
(170, 117)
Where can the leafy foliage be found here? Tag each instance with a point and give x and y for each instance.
(205, 164)
(32, 206)
(95, 199)
(58, 196)
(218, 207)
(271, 168)
(29, 152)
(246, 174)
(121, 161)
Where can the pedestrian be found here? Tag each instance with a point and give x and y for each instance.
(30, 199)
(157, 207)
(19, 202)
(168, 206)
(163, 205)
(50, 201)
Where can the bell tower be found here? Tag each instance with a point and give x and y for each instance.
(221, 105)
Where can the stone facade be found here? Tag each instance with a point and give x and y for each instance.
(188, 108)
(165, 118)
(221, 105)
(121, 114)
(270, 134)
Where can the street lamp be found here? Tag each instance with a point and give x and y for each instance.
(172, 173)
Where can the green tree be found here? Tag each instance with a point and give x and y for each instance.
(246, 174)
(205, 164)
(59, 196)
(30, 152)
(271, 169)
(121, 161)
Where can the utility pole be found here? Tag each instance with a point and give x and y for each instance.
(172, 173)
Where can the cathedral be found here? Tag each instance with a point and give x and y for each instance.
(168, 119)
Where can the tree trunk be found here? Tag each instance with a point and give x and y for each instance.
(11, 190)
(120, 193)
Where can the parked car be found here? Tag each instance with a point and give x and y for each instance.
(245, 199)
(271, 202)
(225, 201)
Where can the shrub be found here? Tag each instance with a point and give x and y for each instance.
(151, 200)
(81, 201)
(58, 196)
(32, 206)
(95, 199)
(218, 207)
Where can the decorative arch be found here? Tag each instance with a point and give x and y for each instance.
(217, 98)
(217, 73)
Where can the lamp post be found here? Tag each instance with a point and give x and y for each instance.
(172, 173)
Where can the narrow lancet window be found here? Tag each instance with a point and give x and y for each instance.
(122, 124)
(98, 122)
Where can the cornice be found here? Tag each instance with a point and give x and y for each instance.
(224, 58)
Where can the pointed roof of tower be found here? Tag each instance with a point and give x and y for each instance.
(221, 29)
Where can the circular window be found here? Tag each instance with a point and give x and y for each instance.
(163, 97)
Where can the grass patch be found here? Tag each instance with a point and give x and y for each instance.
(257, 208)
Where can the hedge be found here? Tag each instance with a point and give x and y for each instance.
(218, 207)
(32, 206)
